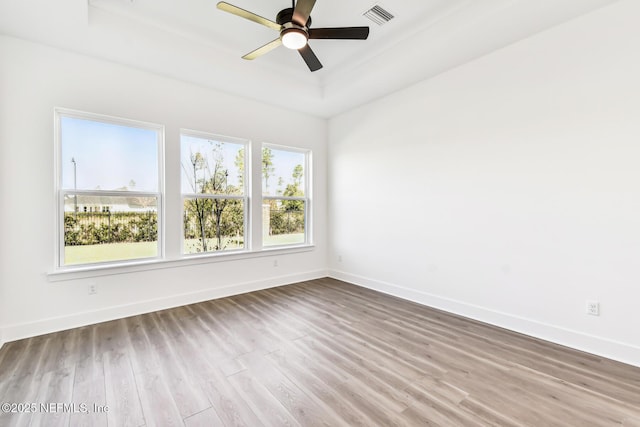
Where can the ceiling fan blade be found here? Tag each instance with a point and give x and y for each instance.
(263, 49)
(248, 15)
(302, 11)
(344, 33)
(310, 58)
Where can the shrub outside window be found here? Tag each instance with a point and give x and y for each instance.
(214, 193)
(109, 188)
(285, 196)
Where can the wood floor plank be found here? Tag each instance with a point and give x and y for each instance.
(297, 403)
(89, 389)
(157, 401)
(321, 352)
(263, 312)
(54, 393)
(123, 396)
(562, 368)
(319, 385)
(224, 337)
(12, 355)
(361, 391)
(206, 418)
(631, 422)
(245, 329)
(272, 338)
(173, 361)
(489, 415)
(228, 404)
(268, 306)
(26, 381)
(144, 354)
(374, 381)
(261, 401)
(110, 336)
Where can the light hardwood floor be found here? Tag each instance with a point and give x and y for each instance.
(322, 352)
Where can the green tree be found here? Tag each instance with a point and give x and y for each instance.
(198, 163)
(297, 175)
(267, 166)
(292, 217)
(239, 162)
(280, 184)
(210, 215)
(219, 185)
(294, 190)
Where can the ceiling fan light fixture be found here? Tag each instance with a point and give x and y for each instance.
(294, 38)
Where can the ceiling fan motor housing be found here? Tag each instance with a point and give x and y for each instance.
(286, 15)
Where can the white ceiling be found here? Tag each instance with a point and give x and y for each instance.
(192, 40)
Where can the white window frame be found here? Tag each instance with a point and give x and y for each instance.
(60, 192)
(245, 197)
(307, 199)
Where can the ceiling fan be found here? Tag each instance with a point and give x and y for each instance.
(293, 25)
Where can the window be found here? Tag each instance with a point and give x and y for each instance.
(109, 189)
(111, 200)
(214, 193)
(285, 196)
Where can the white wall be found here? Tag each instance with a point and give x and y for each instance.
(33, 80)
(506, 190)
(515, 178)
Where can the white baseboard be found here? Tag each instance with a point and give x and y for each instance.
(55, 324)
(600, 346)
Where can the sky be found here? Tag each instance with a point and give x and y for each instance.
(108, 156)
(190, 145)
(111, 157)
(284, 162)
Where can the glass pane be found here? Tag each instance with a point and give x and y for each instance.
(283, 172)
(107, 228)
(283, 222)
(211, 167)
(104, 156)
(212, 225)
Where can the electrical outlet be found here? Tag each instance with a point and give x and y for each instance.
(275, 262)
(93, 289)
(593, 308)
(339, 258)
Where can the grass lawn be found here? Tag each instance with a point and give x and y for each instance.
(284, 239)
(193, 246)
(87, 254)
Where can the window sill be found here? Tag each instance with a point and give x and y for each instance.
(80, 272)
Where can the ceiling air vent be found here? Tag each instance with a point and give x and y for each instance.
(378, 15)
